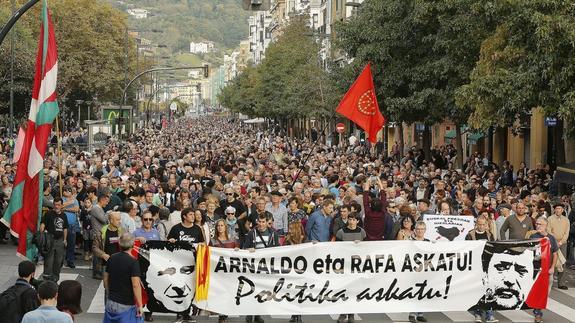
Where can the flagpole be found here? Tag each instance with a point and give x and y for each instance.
(59, 152)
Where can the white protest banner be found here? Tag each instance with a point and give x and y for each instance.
(344, 277)
(448, 227)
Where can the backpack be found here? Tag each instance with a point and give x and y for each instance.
(44, 242)
(10, 302)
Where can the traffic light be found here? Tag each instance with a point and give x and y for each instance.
(206, 71)
(256, 5)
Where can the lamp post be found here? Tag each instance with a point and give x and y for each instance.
(12, 41)
(17, 14)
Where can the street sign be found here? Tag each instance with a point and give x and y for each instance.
(550, 122)
(340, 127)
(173, 106)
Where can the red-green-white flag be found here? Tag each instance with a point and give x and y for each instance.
(25, 206)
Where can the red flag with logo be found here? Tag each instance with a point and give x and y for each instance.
(360, 105)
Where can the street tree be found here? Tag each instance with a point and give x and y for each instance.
(421, 52)
(526, 62)
(289, 83)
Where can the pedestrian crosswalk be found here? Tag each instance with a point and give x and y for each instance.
(561, 309)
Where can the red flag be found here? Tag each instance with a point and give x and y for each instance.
(360, 105)
(538, 294)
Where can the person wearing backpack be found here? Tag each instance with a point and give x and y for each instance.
(20, 298)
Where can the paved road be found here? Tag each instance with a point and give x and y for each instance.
(561, 305)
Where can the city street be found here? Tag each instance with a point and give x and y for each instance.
(561, 303)
(322, 157)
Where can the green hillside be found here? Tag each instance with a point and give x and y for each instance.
(182, 21)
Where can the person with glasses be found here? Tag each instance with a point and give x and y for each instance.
(231, 223)
(147, 233)
(541, 225)
(231, 200)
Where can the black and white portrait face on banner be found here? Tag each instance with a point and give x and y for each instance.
(170, 276)
(509, 279)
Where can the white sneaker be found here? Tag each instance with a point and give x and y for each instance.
(478, 318)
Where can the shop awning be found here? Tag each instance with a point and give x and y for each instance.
(566, 174)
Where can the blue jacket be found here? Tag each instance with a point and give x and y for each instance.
(317, 227)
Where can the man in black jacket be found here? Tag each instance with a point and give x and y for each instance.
(22, 296)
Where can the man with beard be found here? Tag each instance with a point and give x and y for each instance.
(509, 276)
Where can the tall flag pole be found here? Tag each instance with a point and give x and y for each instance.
(25, 206)
(360, 105)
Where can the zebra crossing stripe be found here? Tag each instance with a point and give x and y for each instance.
(564, 311)
(569, 292)
(517, 316)
(97, 304)
(398, 317)
(336, 316)
(460, 316)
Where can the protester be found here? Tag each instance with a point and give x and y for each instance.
(375, 211)
(98, 219)
(21, 297)
(222, 240)
(559, 227)
(147, 231)
(350, 233)
(518, 225)
(186, 231)
(47, 312)
(122, 283)
(71, 208)
(418, 235)
(55, 223)
(106, 243)
(482, 232)
(258, 238)
(318, 224)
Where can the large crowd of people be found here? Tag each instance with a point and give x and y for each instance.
(213, 180)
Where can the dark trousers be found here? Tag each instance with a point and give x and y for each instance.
(53, 260)
(70, 247)
(561, 275)
(570, 252)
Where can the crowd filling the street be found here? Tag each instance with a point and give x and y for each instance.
(218, 182)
